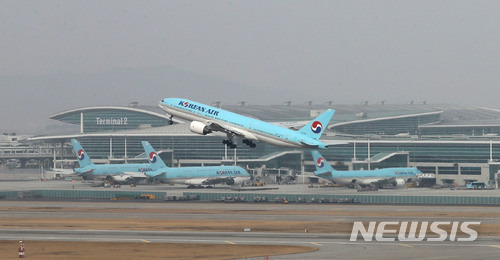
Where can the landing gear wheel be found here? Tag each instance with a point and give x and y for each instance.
(249, 143)
(229, 143)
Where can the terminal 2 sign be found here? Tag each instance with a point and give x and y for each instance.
(111, 121)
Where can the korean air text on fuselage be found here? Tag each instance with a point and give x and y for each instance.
(226, 172)
(199, 109)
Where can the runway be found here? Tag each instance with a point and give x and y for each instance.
(222, 223)
(331, 245)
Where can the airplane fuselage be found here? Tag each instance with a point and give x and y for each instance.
(398, 176)
(250, 128)
(110, 169)
(370, 176)
(203, 175)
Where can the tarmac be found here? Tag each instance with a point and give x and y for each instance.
(331, 246)
(31, 179)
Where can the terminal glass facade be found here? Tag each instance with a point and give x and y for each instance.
(116, 133)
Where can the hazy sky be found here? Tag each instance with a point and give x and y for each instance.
(345, 51)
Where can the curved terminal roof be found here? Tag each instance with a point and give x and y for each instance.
(349, 120)
(143, 110)
(111, 118)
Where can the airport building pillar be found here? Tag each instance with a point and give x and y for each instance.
(235, 158)
(125, 155)
(62, 154)
(111, 148)
(302, 164)
(81, 123)
(54, 161)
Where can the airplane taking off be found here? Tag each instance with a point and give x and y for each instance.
(395, 176)
(115, 172)
(206, 119)
(209, 175)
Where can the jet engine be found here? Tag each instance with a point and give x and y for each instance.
(230, 181)
(118, 178)
(237, 180)
(398, 183)
(199, 128)
(195, 181)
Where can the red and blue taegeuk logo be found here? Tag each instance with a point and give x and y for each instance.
(81, 154)
(320, 162)
(153, 157)
(316, 127)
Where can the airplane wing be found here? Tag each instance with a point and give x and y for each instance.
(179, 120)
(230, 130)
(135, 174)
(128, 175)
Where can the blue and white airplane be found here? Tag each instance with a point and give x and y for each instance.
(395, 176)
(207, 119)
(111, 172)
(209, 175)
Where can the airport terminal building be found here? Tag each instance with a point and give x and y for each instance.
(453, 145)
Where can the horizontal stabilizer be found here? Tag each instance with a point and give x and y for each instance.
(326, 175)
(156, 173)
(334, 142)
(309, 145)
(89, 171)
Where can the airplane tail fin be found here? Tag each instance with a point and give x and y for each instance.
(81, 155)
(322, 166)
(316, 127)
(153, 158)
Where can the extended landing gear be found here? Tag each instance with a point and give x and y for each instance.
(229, 143)
(232, 145)
(249, 143)
(170, 120)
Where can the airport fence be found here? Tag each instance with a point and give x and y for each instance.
(84, 194)
(365, 199)
(8, 194)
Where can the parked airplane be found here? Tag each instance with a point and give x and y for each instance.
(206, 119)
(395, 176)
(115, 172)
(209, 175)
